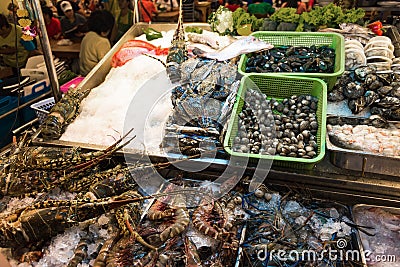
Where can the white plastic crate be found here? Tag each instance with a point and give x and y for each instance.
(42, 108)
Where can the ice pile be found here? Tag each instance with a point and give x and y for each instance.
(135, 95)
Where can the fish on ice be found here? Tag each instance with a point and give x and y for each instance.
(244, 45)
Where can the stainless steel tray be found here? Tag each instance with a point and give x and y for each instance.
(98, 74)
(360, 160)
(363, 161)
(361, 236)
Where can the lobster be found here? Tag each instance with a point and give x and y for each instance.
(61, 114)
(177, 53)
(39, 173)
(45, 219)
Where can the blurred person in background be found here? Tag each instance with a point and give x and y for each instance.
(11, 45)
(96, 43)
(260, 9)
(232, 5)
(167, 5)
(12, 13)
(301, 7)
(124, 18)
(53, 25)
(147, 10)
(346, 4)
(310, 4)
(76, 6)
(73, 24)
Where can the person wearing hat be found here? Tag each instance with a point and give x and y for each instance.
(72, 24)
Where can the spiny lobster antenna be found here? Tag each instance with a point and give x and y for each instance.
(179, 32)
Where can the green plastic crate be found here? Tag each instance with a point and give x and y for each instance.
(280, 87)
(333, 40)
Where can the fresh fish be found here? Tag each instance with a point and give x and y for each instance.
(134, 48)
(244, 45)
(211, 39)
(354, 28)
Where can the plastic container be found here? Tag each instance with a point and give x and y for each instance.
(280, 87)
(332, 40)
(71, 84)
(31, 93)
(42, 108)
(10, 122)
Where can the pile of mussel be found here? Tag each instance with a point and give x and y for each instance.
(364, 88)
(271, 127)
(292, 59)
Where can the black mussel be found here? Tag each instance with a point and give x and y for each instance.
(375, 85)
(250, 62)
(395, 114)
(395, 92)
(353, 90)
(370, 78)
(251, 69)
(389, 102)
(384, 112)
(377, 121)
(384, 90)
(276, 54)
(290, 51)
(357, 105)
(370, 98)
(322, 65)
(386, 79)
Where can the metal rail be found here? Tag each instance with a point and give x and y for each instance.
(48, 55)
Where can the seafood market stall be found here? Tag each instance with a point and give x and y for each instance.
(228, 195)
(358, 177)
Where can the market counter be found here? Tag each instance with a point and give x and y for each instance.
(65, 51)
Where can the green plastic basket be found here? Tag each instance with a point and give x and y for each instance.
(333, 40)
(280, 87)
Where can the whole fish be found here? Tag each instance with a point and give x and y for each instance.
(244, 45)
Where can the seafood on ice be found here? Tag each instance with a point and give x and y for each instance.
(366, 138)
(134, 48)
(211, 39)
(384, 241)
(244, 45)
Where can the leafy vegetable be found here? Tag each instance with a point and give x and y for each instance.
(286, 14)
(194, 29)
(332, 16)
(226, 22)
